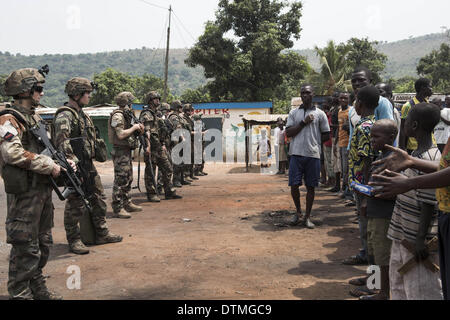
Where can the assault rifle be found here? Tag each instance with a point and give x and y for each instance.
(72, 183)
(142, 145)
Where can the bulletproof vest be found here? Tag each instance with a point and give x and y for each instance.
(81, 126)
(17, 178)
(130, 142)
(189, 125)
(155, 130)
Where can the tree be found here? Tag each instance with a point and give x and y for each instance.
(110, 83)
(339, 61)
(403, 85)
(335, 68)
(254, 63)
(362, 52)
(3, 96)
(146, 83)
(436, 65)
(198, 95)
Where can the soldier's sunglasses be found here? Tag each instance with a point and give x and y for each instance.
(38, 89)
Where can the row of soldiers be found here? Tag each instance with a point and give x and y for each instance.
(156, 123)
(26, 171)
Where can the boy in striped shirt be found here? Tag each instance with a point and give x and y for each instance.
(415, 217)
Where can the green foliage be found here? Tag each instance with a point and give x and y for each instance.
(111, 82)
(136, 62)
(198, 95)
(146, 83)
(403, 85)
(362, 52)
(339, 61)
(3, 96)
(436, 65)
(253, 64)
(335, 67)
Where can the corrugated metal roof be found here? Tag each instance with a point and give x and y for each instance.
(91, 111)
(265, 117)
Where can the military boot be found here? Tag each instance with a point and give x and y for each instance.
(172, 196)
(109, 238)
(122, 214)
(41, 292)
(78, 247)
(153, 198)
(177, 184)
(131, 207)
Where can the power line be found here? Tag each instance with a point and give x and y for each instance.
(181, 35)
(160, 40)
(182, 25)
(153, 5)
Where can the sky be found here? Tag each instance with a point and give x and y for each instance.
(87, 26)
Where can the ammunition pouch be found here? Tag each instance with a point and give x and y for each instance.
(16, 179)
(101, 153)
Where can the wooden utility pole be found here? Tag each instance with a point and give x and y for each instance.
(166, 73)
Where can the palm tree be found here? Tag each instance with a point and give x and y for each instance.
(334, 66)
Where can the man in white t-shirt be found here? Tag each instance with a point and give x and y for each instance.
(308, 127)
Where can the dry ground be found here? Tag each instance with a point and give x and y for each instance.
(236, 245)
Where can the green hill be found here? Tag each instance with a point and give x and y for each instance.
(135, 62)
(403, 57)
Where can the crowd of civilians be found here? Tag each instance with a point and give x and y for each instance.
(392, 165)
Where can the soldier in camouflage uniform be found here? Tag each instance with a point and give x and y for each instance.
(158, 150)
(29, 194)
(189, 125)
(176, 122)
(165, 126)
(121, 134)
(71, 122)
(199, 126)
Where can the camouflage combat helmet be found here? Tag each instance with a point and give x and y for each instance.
(175, 105)
(197, 117)
(151, 95)
(165, 107)
(187, 107)
(22, 80)
(124, 99)
(78, 86)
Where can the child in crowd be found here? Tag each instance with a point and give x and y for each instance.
(361, 156)
(414, 219)
(379, 211)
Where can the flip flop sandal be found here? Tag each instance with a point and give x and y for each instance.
(361, 291)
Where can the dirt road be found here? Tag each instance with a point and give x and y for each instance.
(234, 245)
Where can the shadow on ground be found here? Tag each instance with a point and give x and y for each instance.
(323, 291)
(60, 251)
(322, 270)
